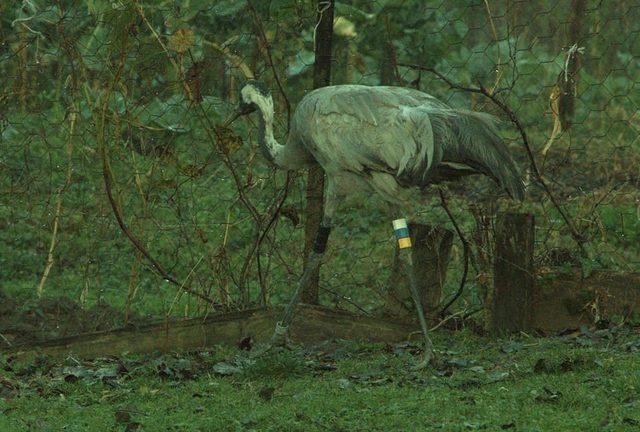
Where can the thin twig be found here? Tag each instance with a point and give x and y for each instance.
(392, 51)
(437, 326)
(204, 119)
(346, 299)
(274, 216)
(4, 338)
(232, 58)
(181, 288)
(56, 220)
(445, 320)
(465, 248)
(265, 44)
(495, 39)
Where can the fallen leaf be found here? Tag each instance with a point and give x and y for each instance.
(224, 368)
(75, 373)
(245, 344)
(106, 373)
(511, 347)
(497, 376)
(344, 383)
(547, 395)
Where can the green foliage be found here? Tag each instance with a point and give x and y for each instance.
(199, 206)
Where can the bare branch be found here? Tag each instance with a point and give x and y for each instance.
(466, 251)
(265, 44)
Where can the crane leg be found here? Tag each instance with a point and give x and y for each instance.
(281, 333)
(404, 243)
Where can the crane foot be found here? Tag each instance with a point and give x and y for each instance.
(280, 341)
(427, 361)
(419, 366)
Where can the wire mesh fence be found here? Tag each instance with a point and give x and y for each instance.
(119, 187)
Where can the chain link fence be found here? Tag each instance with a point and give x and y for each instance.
(121, 193)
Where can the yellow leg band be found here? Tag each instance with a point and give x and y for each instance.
(404, 243)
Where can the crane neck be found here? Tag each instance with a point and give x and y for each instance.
(268, 144)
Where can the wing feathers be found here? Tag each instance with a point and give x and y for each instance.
(400, 131)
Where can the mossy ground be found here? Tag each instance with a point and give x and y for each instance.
(583, 382)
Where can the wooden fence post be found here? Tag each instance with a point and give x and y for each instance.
(431, 249)
(514, 287)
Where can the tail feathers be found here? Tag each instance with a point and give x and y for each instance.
(474, 141)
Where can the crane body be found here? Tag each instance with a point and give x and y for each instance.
(387, 140)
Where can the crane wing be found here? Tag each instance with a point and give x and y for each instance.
(360, 128)
(403, 132)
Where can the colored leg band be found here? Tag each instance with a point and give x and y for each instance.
(402, 233)
(404, 243)
(320, 245)
(281, 330)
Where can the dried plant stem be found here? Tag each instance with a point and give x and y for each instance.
(133, 276)
(265, 43)
(495, 39)
(181, 288)
(466, 251)
(23, 55)
(56, 219)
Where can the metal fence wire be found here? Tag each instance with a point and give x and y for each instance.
(118, 186)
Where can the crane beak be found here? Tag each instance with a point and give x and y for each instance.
(243, 109)
(233, 117)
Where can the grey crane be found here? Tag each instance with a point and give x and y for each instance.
(387, 140)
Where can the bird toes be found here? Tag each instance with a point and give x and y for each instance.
(279, 342)
(422, 365)
(425, 363)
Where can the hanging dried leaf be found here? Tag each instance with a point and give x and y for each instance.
(291, 213)
(192, 170)
(228, 140)
(181, 40)
(344, 27)
(554, 98)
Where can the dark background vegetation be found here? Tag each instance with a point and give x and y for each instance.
(129, 95)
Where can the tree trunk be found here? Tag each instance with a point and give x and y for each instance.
(389, 57)
(482, 238)
(315, 178)
(514, 274)
(430, 252)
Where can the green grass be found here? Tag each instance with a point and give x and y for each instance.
(588, 383)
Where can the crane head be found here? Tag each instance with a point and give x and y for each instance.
(254, 95)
